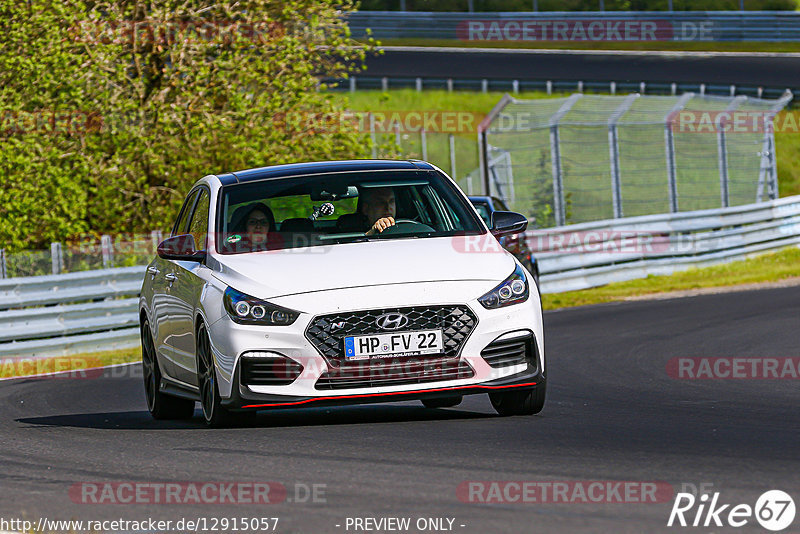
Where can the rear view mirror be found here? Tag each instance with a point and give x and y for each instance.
(508, 222)
(181, 248)
(327, 192)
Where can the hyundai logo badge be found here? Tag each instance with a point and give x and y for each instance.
(391, 321)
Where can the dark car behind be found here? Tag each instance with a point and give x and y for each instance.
(515, 243)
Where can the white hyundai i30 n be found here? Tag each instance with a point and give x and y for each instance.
(335, 283)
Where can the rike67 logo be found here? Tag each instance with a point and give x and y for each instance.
(774, 510)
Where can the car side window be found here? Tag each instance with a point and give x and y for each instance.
(198, 227)
(183, 217)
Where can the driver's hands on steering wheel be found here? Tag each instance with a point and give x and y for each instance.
(380, 225)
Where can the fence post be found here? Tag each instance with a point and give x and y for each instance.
(484, 85)
(669, 149)
(397, 134)
(352, 84)
(515, 87)
(483, 141)
(449, 85)
(612, 88)
(773, 167)
(483, 162)
(613, 151)
(57, 258)
(764, 170)
(384, 84)
(555, 164)
(549, 86)
(3, 263)
(722, 153)
(424, 142)
(452, 156)
(418, 84)
(770, 133)
(107, 249)
(372, 138)
(559, 208)
(672, 179)
(722, 162)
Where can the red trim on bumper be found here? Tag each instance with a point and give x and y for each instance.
(386, 394)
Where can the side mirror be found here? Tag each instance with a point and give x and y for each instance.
(508, 222)
(181, 248)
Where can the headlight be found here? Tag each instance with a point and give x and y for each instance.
(513, 290)
(245, 309)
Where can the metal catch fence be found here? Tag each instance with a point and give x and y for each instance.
(592, 157)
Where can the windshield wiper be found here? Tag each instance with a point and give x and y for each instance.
(340, 240)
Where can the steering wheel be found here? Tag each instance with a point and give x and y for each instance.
(405, 225)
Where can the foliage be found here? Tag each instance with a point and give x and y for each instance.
(111, 110)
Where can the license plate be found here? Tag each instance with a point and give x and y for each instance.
(393, 345)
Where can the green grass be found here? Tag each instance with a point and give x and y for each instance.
(688, 46)
(10, 368)
(763, 268)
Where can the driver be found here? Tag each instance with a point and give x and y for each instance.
(376, 212)
(379, 208)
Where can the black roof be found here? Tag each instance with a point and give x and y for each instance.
(321, 167)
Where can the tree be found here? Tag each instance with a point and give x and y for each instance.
(135, 100)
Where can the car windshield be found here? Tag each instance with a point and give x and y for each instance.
(338, 208)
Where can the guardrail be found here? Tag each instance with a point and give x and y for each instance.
(579, 25)
(94, 311)
(58, 315)
(514, 86)
(581, 256)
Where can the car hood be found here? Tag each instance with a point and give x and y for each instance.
(280, 273)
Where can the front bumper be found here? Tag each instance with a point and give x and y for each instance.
(243, 398)
(231, 341)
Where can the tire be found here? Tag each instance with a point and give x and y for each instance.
(214, 414)
(160, 405)
(443, 402)
(519, 402)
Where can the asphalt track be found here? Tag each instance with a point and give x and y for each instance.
(613, 413)
(750, 69)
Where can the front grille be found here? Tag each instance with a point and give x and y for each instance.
(394, 373)
(327, 332)
(509, 352)
(269, 371)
